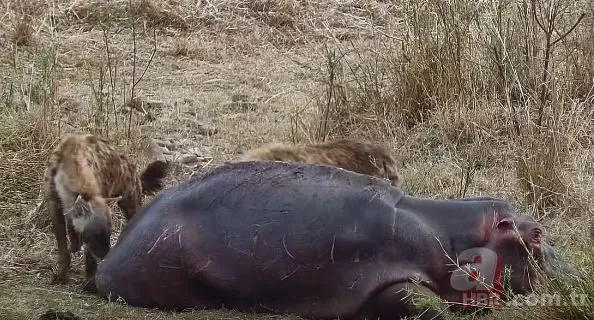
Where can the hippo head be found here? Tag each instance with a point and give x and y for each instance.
(519, 243)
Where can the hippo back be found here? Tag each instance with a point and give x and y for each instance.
(254, 232)
(272, 187)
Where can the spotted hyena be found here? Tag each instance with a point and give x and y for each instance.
(85, 174)
(346, 153)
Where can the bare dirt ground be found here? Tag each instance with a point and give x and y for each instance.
(223, 76)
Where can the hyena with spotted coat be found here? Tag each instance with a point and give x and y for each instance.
(347, 153)
(84, 175)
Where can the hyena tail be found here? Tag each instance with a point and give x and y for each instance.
(152, 177)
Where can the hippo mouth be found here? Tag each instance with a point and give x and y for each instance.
(554, 266)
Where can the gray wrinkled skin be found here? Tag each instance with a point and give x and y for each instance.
(555, 267)
(315, 241)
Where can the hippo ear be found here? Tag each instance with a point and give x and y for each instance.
(505, 224)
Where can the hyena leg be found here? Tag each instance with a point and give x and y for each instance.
(129, 205)
(90, 269)
(56, 211)
(75, 241)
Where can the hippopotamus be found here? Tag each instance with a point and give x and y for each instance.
(315, 241)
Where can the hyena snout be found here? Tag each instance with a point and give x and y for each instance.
(96, 236)
(391, 172)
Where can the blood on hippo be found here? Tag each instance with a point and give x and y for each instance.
(316, 241)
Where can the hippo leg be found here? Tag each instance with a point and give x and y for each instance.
(397, 301)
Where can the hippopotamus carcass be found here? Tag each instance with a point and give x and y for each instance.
(315, 241)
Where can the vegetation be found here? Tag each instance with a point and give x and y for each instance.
(475, 97)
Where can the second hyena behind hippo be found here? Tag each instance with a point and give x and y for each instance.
(347, 153)
(84, 175)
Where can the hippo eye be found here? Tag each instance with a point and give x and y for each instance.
(537, 235)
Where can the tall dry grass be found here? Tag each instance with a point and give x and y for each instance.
(501, 87)
(478, 96)
(487, 74)
(32, 118)
(34, 114)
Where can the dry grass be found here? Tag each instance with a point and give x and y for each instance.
(477, 98)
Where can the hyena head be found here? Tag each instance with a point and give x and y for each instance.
(392, 173)
(91, 218)
(385, 165)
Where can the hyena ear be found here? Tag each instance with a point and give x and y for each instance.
(79, 208)
(113, 200)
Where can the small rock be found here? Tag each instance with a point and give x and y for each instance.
(169, 144)
(205, 158)
(239, 97)
(174, 151)
(195, 151)
(161, 157)
(207, 130)
(188, 158)
(242, 106)
(200, 127)
(189, 101)
(167, 157)
(159, 149)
